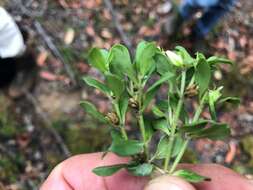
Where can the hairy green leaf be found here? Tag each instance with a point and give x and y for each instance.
(191, 176)
(161, 125)
(232, 100)
(120, 62)
(144, 57)
(149, 95)
(115, 83)
(163, 65)
(218, 60)
(217, 131)
(165, 77)
(162, 148)
(187, 59)
(141, 169)
(202, 76)
(108, 170)
(123, 105)
(98, 59)
(126, 147)
(92, 110)
(178, 143)
(97, 84)
(157, 112)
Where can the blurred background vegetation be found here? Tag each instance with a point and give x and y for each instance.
(47, 125)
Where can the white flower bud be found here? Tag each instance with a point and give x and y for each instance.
(174, 58)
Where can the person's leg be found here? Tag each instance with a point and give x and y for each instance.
(211, 17)
(189, 7)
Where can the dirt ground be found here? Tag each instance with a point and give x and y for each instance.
(47, 125)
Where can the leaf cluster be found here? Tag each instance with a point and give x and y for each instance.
(129, 85)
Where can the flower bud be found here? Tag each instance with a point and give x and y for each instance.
(191, 90)
(113, 118)
(175, 59)
(133, 103)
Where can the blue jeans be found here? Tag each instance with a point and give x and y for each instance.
(213, 11)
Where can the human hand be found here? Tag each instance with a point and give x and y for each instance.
(75, 173)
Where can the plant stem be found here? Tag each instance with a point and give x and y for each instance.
(140, 118)
(175, 121)
(199, 109)
(184, 146)
(122, 124)
(179, 156)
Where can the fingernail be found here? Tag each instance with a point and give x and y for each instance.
(168, 183)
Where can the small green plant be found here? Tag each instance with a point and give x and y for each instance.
(129, 87)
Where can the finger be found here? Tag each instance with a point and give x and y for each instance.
(76, 174)
(168, 183)
(222, 178)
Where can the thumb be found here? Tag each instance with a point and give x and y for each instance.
(166, 182)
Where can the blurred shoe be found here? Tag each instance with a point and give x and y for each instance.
(25, 77)
(199, 44)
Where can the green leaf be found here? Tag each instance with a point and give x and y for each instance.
(123, 105)
(92, 110)
(161, 125)
(97, 84)
(116, 135)
(163, 79)
(115, 83)
(149, 95)
(126, 147)
(151, 92)
(157, 112)
(190, 176)
(163, 65)
(202, 76)
(163, 105)
(140, 47)
(120, 62)
(108, 170)
(217, 131)
(232, 100)
(149, 131)
(141, 169)
(214, 95)
(178, 143)
(162, 148)
(144, 57)
(218, 60)
(199, 123)
(97, 58)
(188, 60)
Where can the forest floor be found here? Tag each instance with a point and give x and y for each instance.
(47, 125)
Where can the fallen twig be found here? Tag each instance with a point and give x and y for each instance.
(118, 26)
(54, 50)
(39, 28)
(48, 124)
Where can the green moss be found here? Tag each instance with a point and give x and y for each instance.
(83, 137)
(8, 127)
(247, 144)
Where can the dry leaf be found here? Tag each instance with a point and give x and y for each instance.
(48, 76)
(69, 36)
(82, 67)
(41, 59)
(90, 30)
